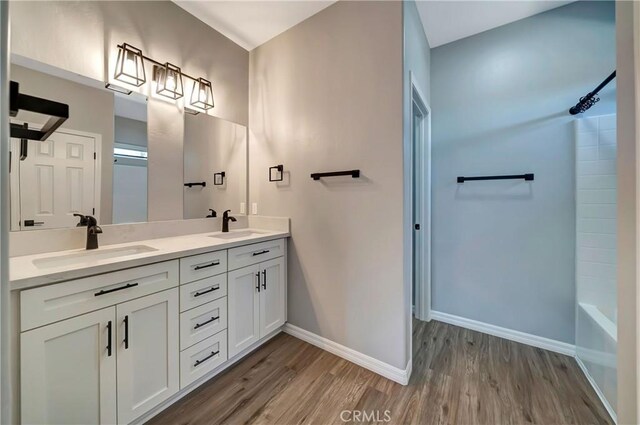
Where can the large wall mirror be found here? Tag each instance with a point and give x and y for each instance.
(215, 166)
(94, 164)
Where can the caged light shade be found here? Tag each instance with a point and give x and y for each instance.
(169, 78)
(202, 94)
(130, 65)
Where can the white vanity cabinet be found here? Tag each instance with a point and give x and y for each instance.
(256, 296)
(68, 371)
(117, 347)
(147, 354)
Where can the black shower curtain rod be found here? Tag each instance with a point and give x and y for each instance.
(591, 98)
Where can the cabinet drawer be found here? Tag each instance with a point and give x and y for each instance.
(243, 256)
(202, 322)
(59, 301)
(203, 265)
(202, 291)
(202, 358)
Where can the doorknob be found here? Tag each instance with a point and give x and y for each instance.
(416, 226)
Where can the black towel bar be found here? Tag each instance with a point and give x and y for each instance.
(353, 173)
(527, 177)
(203, 184)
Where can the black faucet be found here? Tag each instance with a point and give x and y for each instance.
(212, 214)
(225, 221)
(92, 229)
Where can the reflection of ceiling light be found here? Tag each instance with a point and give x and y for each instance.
(169, 78)
(130, 153)
(202, 94)
(118, 89)
(130, 65)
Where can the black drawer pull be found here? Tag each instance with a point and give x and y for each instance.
(260, 252)
(215, 263)
(213, 288)
(108, 291)
(109, 332)
(126, 332)
(199, 325)
(213, 354)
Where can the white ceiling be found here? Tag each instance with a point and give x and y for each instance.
(447, 21)
(252, 23)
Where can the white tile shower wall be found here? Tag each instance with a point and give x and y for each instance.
(596, 256)
(596, 212)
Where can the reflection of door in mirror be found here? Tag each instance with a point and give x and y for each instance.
(57, 180)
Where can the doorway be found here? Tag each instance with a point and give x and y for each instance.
(421, 203)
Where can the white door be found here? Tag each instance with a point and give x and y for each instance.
(56, 181)
(243, 308)
(68, 371)
(272, 296)
(148, 353)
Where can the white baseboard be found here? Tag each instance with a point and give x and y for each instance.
(595, 387)
(381, 368)
(510, 334)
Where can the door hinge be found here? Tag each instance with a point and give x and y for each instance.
(94, 211)
(95, 156)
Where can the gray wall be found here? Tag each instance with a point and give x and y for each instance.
(81, 37)
(417, 62)
(132, 132)
(627, 71)
(504, 252)
(326, 95)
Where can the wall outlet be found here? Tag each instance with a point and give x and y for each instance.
(254, 208)
(243, 207)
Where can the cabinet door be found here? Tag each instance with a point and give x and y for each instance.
(148, 353)
(272, 295)
(243, 309)
(68, 375)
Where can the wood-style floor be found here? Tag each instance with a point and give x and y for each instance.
(459, 377)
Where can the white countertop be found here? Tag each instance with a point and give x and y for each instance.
(23, 273)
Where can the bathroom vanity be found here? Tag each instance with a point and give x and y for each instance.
(117, 334)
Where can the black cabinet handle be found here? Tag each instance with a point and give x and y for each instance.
(109, 338)
(198, 362)
(264, 279)
(258, 276)
(199, 325)
(108, 291)
(215, 263)
(213, 288)
(260, 252)
(126, 332)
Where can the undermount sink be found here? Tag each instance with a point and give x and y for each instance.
(88, 257)
(236, 235)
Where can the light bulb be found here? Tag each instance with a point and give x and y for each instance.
(171, 82)
(203, 95)
(130, 64)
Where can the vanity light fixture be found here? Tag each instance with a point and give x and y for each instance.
(130, 65)
(130, 70)
(169, 79)
(202, 94)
